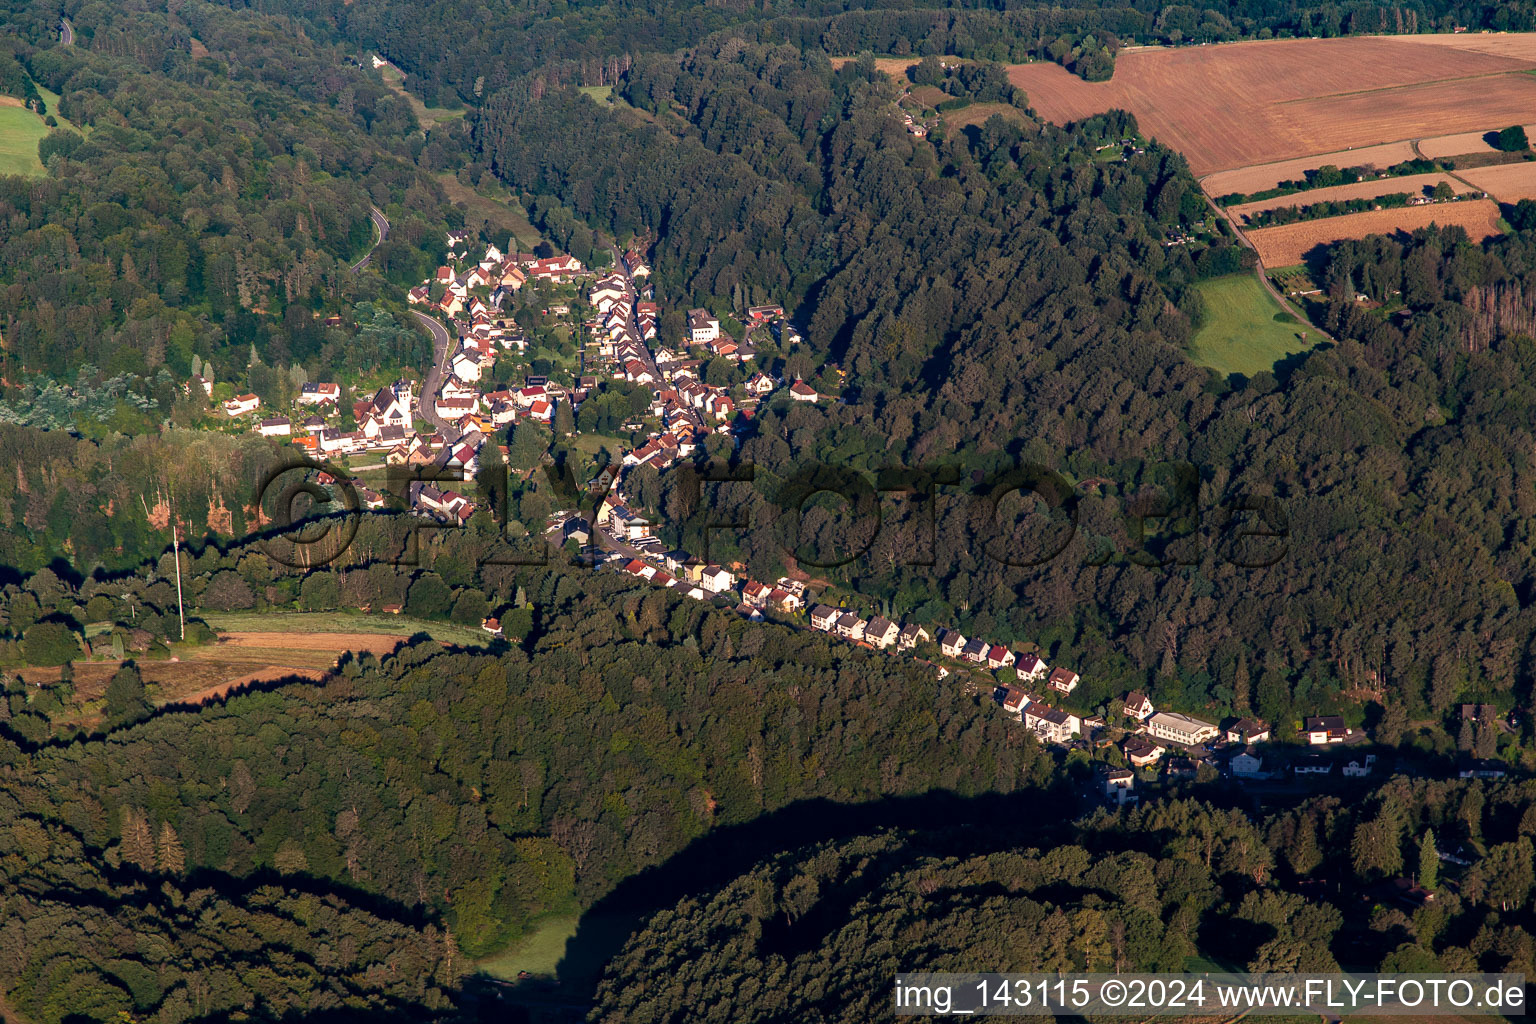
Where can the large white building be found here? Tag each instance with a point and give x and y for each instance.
(1177, 728)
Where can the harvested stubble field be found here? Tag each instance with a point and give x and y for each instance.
(1288, 244)
(1463, 142)
(1265, 176)
(1238, 104)
(1508, 183)
(212, 671)
(1412, 184)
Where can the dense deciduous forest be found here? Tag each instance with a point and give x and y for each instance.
(207, 190)
(481, 790)
(820, 933)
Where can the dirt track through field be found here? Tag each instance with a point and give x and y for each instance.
(1508, 183)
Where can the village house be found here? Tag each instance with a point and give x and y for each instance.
(1030, 668)
(762, 314)
(1013, 700)
(240, 405)
(881, 632)
(1141, 751)
(607, 291)
(760, 385)
(454, 408)
(1247, 731)
(1482, 769)
(975, 651)
(1137, 706)
(999, 657)
(277, 427)
(716, 580)
(1246, 764)
(1316, 764)
(1182, 729)
(1321, 730)
(824, 617)
(800, 391)
(1051, 724)
(911, 635)
(1064, 680)
(319, 393)
(466, 365)
(703, 327)
(1118, 782)
(951, 642)
(628, 525)
(1359, 767)
(784, 600)
(851, 627)
(556, 268)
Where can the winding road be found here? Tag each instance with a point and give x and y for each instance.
(66, 32)
(381, 225)
(432, 384)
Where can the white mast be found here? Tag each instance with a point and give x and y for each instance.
(181, 612)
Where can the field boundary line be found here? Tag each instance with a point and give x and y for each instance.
(1406, 85)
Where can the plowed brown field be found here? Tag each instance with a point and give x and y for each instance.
(1238, 104)
(1288, 244)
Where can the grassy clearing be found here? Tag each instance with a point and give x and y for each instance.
(978, 113)
(51, 98)
(504, 215)
(601, 93)
(20, 132)
(539, 954)
(1241, 334)
(343, 622)
(427, 117)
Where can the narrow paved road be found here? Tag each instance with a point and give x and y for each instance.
(381, 225)
(432, 384)
(66, 32)
(634, 318)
